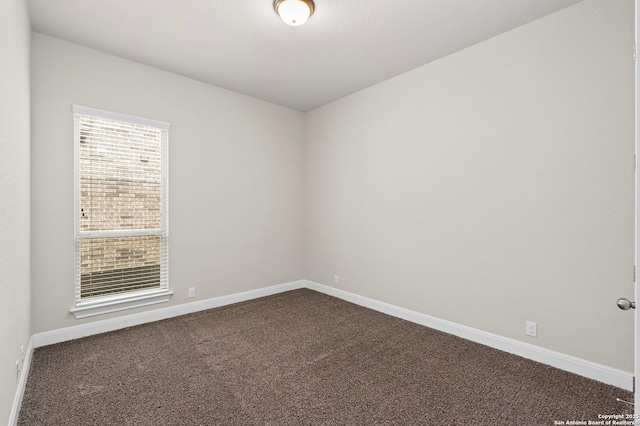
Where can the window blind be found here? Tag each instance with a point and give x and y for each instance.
(121, 204)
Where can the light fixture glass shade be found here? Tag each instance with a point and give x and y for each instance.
(294, 12)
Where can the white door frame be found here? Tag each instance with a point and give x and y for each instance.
(637, 225)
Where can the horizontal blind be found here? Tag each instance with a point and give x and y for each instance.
(121, 228)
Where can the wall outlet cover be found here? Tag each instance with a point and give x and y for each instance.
(531, 328)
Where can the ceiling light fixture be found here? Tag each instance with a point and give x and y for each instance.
(294, 12)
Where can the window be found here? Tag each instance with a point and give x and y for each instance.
(121, 211)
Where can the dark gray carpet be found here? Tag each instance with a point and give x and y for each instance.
(299, 358)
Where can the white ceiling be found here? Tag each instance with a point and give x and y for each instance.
(242, 45)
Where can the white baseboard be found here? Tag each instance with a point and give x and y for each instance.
(22, 384)
(97, 327)
(591, 370)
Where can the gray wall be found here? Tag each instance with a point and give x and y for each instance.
(235, 184)
(15, 328)
(490, 187)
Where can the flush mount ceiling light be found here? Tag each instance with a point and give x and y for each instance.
(294, 12)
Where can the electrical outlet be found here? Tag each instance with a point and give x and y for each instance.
(531, 328)
(18, 368)
(192, 292)
(336, 280)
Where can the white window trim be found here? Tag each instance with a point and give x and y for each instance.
(118, 302)
(79, 109)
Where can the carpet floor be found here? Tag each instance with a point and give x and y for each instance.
(299, 358)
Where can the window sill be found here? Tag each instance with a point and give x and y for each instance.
(105, 306)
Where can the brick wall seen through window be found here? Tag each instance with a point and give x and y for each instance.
(120, 190)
